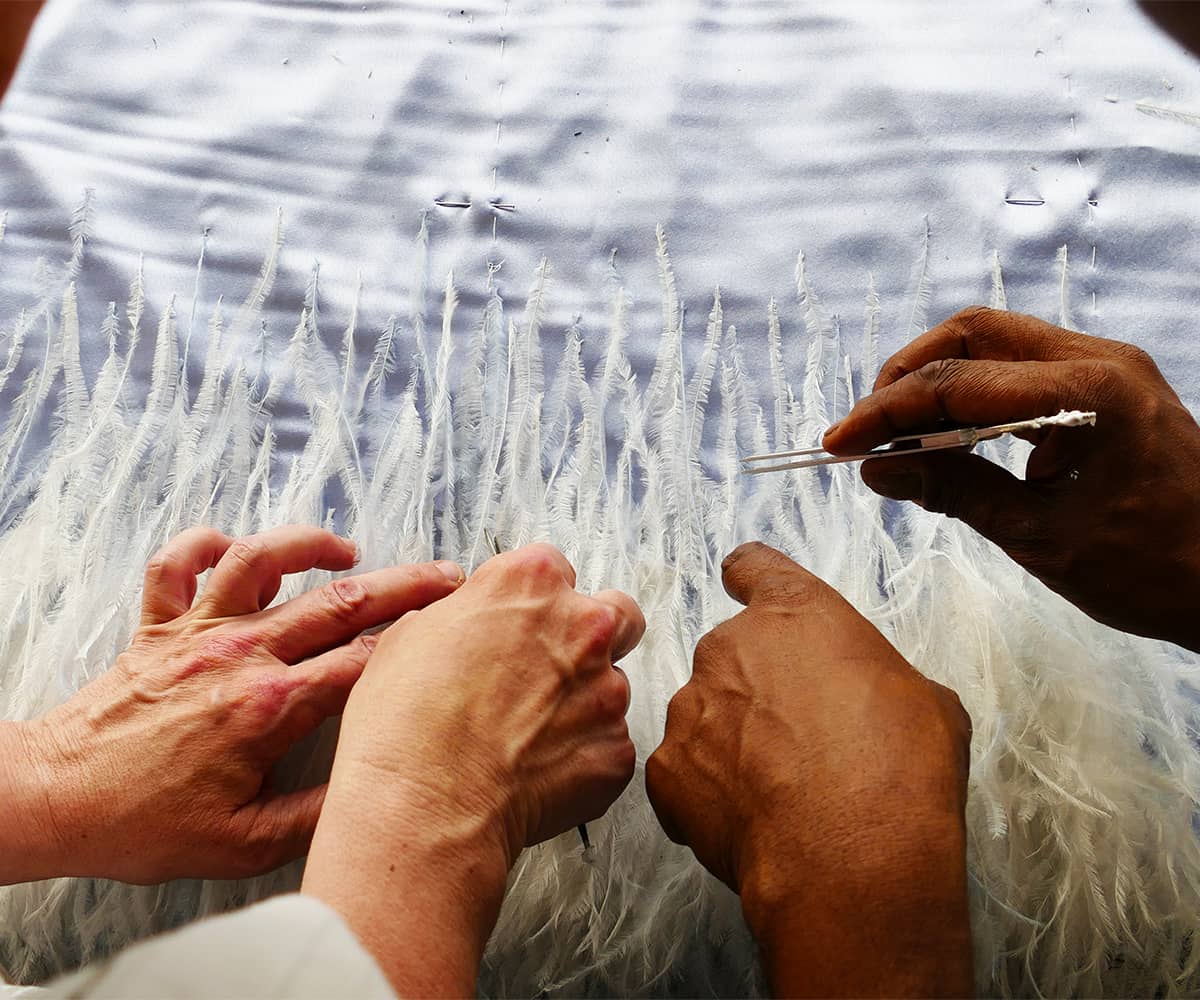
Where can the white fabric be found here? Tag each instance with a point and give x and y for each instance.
(290, 948)
(751, 130)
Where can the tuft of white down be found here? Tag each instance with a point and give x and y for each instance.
(1083, 849)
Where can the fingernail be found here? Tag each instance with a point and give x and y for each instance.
(452, 571)
(744, 549)
(832, 428)
(355, 550)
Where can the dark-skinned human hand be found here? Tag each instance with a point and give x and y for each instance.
(815, 772)
(1108, 516)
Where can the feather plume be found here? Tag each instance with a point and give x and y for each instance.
(251, 308)
(922, 290)
(187, 340)
(1083, 850)
(1064, 297)
(999, 299)
(870, 351)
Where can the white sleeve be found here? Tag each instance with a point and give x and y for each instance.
(289, 947)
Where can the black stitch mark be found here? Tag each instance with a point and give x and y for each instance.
(1024, 201)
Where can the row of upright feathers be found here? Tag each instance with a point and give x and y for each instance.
(1083, 851)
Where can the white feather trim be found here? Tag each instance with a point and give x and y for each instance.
(1083, 847)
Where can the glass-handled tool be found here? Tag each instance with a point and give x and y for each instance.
(912, 444)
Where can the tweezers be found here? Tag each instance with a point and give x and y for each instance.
(912, 444)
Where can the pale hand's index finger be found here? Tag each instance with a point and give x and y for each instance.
(248, 576)
(966, 393)
(335, 613)
(169, 585)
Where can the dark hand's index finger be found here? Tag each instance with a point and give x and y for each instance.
(965, 393)
(980, 334)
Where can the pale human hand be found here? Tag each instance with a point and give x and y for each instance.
(487, 722)
(1108, 516)
(814, 771)
(159, 768)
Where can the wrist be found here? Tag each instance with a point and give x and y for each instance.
(858, 918)
(32, 843)
(419, 883)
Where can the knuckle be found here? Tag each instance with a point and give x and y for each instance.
(362, 647)
(201, 534)
(596, 627)
(941, 373)
(889, 372)
(711, 647)
(1133, 355)
(164, 563)
(539, 562)
(148, 637)
(250, 552)
(790, 589)
(260, 846)
(611, 696)
(270, 692)
(1094, 380)
(956, 726)
(221, 651)
(969, 325)
(345, 598)
(625, 609)
(968, 322)
(683, 707)
(957, 718)
(1153, 410)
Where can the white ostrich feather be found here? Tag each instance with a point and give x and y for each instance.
(1064, 296)
(922, 289)
(1083, 848)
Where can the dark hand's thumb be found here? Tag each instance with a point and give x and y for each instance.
(756, 572)
(986, 496)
